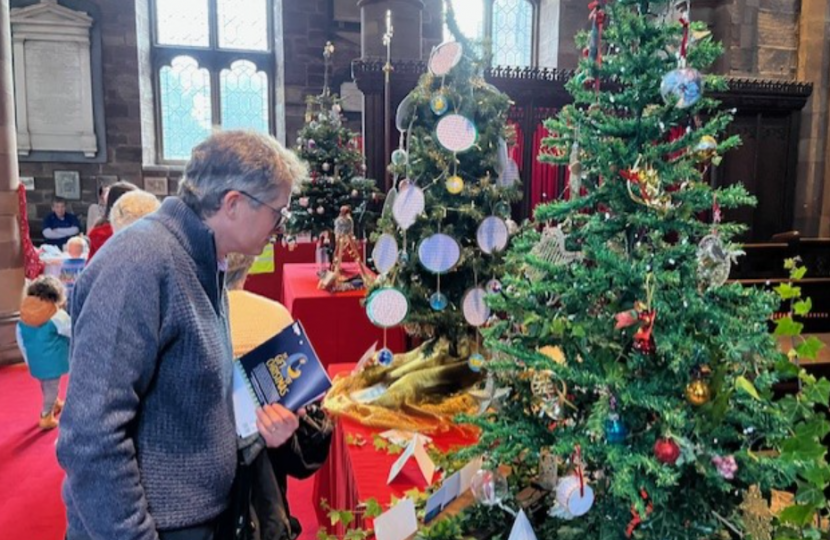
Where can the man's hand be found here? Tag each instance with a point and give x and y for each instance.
(276, 424)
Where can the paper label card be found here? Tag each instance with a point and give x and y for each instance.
(452, 488)
(467, 473)
(435, 504)
(521, 528)
(415, 449)
(397, 523)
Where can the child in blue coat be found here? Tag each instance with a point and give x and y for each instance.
(43, 336)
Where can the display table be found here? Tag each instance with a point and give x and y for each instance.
(335, 323)
(270, 284)
(353, 474)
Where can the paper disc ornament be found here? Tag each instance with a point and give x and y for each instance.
(476, 311)
(385, 253)
(456, 133)
(408, 205)
(387, 307)
(501, 162)
(405, 113)
(439, 253)
(684, 86)
(444, 57)
(492, 235)
(510, 175)
(575, 496)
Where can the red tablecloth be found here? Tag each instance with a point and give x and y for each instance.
(353, 474)
(335, 323)
(270, 284)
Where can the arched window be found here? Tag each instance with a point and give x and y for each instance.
(508, 25)
(213, 66)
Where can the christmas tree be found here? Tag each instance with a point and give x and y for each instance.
(642, 399)
(336, 169)
(439, 246)
(448, 213)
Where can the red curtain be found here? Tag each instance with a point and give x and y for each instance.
(543, 179)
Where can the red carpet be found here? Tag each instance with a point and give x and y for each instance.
(30, 503)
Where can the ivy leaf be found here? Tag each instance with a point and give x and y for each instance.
(322, 534)
(818, 475)
(818, 392)
(815, 428)
(379, 442)
(797, 514)
(798, 273)
(787, 291)
(742, 383)
(809, 348)
(802, 449)
(803, 307)
(786, 326)
(786, 368)
(355, 534)
(578, 331)
(341, 516)
(789, 264)
(373, 508)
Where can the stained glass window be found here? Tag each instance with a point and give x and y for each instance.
(206, 54)
(243, 24)
(184, 90)
(182, 22)
(243, 94)
(512, 33)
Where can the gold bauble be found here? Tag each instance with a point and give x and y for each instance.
(698, 392)
(554, 353)
(455, 184)
(706, 148)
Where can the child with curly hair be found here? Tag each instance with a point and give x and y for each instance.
(43, 336)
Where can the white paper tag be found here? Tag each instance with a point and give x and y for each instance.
(467, 474)
(425, 464)
(521, 528)
(397, 523)
(402, 438)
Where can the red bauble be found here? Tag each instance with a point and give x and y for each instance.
(666, 451)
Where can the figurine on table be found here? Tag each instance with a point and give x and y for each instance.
(344, 242)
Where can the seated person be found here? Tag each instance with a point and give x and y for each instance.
(96, 210)
(253, 320)
(131, 207)
(60, 225)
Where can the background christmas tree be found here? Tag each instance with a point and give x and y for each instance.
(636, 373)
(336, 167)
(461, 189)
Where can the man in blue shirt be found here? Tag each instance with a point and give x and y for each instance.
(60, 225)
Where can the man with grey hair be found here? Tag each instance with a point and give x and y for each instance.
(148, 440)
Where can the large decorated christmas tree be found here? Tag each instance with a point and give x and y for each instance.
(440, 242)
(642, 383)
(336, 168)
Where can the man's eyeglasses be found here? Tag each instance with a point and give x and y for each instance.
(281, 214)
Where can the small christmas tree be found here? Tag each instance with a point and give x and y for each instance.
(439, 246)
(642, 384)
(336, 169)
(449, 212)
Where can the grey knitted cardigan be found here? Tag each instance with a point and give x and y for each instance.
(147, 436)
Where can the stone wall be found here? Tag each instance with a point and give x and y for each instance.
(121, 109)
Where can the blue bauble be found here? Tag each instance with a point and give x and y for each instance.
(385, 357)
(615, 431)
(683, 84)
(438, 301)
(476, 361)
(439, 104)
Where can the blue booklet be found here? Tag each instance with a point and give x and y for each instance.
(285, 370)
